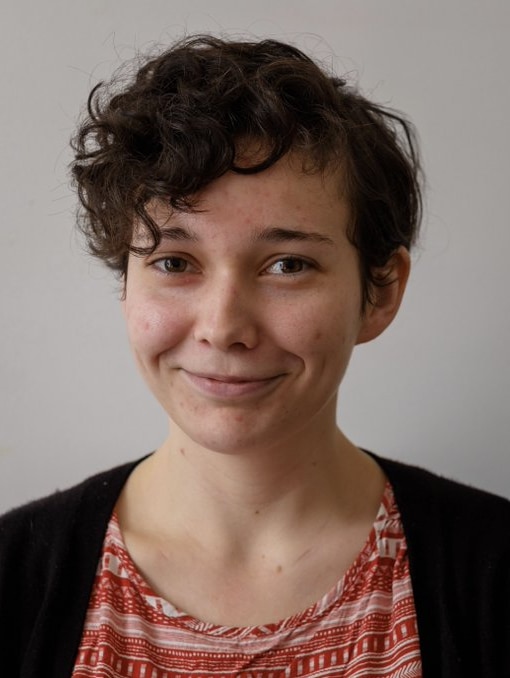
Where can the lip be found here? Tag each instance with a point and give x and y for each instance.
(229, 386)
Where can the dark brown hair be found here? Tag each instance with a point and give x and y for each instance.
(181, 120)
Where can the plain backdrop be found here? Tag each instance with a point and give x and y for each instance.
(433, 390)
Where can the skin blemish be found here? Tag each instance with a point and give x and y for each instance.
(278, 569)
(182, 451)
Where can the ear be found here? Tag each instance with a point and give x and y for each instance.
(386, 298)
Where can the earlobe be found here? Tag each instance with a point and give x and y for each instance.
(387, 297)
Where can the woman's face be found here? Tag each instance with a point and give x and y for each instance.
(243, 320)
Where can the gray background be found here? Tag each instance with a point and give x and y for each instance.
(435, 389)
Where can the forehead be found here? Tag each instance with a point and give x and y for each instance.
(284, 195)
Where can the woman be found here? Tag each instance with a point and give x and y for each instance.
(260, 214)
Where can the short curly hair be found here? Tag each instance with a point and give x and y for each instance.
(181, 121)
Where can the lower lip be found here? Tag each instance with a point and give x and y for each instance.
(230, 389)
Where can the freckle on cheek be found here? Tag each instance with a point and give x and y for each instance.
(146, 326)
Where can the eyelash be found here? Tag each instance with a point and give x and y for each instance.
(161, 265)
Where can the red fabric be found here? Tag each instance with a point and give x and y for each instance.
(365, 626)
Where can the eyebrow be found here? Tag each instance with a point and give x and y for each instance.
(178, 233)
(289, 234)
(274, 234)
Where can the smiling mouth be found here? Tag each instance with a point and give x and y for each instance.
(228, 386)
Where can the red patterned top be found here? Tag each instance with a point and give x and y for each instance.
(365, 626)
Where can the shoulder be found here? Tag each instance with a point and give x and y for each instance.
(49, 550)
(35, 523)
(54, 542)
(443, 518)
(458, 540)
(419, 487)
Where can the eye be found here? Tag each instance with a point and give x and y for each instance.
(172, 265)
(288, 266)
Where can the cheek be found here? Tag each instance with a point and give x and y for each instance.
(323, 328)
(152, 327)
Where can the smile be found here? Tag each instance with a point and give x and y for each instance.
(227, 386)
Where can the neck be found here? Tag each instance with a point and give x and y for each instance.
(237, 500)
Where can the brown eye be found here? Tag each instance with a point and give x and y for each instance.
(172, 265)
(288, 266)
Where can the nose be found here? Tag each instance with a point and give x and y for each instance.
(226, 315)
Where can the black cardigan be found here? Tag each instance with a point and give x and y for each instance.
(459, 550)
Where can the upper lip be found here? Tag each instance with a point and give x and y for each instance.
(230, 378)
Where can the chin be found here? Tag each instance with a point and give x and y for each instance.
(231, 434)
